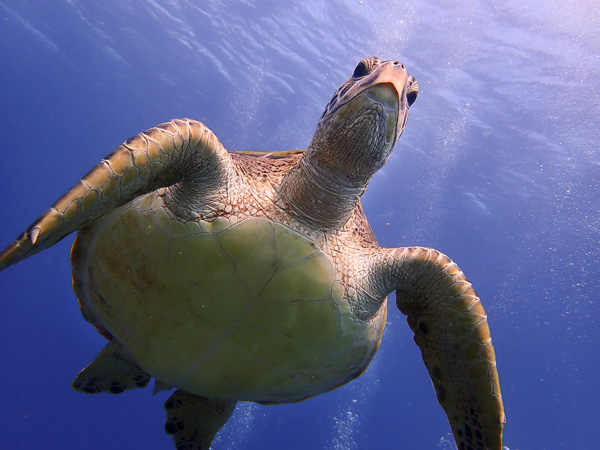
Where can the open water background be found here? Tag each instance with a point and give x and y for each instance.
(499, 168)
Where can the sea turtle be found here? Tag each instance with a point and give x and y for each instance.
(248, 276)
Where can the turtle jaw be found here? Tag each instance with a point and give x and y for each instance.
(384, 93)
(387, 96)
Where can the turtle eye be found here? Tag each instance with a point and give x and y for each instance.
(361, 70)
(412, 92)
(411, 97)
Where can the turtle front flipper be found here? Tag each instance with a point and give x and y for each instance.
(451, 329)
(113, 370)
(194, 421)
(177, 151)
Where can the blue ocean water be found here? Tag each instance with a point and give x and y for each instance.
(499, 168)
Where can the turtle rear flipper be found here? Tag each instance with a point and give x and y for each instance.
(177, 151)
(113, 370)
(194, 421)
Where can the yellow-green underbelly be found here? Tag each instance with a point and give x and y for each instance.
(251, 310)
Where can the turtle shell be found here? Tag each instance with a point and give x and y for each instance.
(245, 310)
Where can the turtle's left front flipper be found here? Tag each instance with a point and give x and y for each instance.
(451, 329)
(183, 152)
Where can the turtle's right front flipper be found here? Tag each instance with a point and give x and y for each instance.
(180, 150)
(451, 329)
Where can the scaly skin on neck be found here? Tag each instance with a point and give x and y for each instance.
(345, 152)
(319, 197)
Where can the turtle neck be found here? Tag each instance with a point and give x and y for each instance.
(318, 196)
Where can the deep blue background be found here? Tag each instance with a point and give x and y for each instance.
(499, 168)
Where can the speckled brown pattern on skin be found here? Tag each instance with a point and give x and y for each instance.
(255, 276)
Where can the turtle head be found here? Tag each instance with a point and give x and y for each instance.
(354, 138)
(363, 120)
